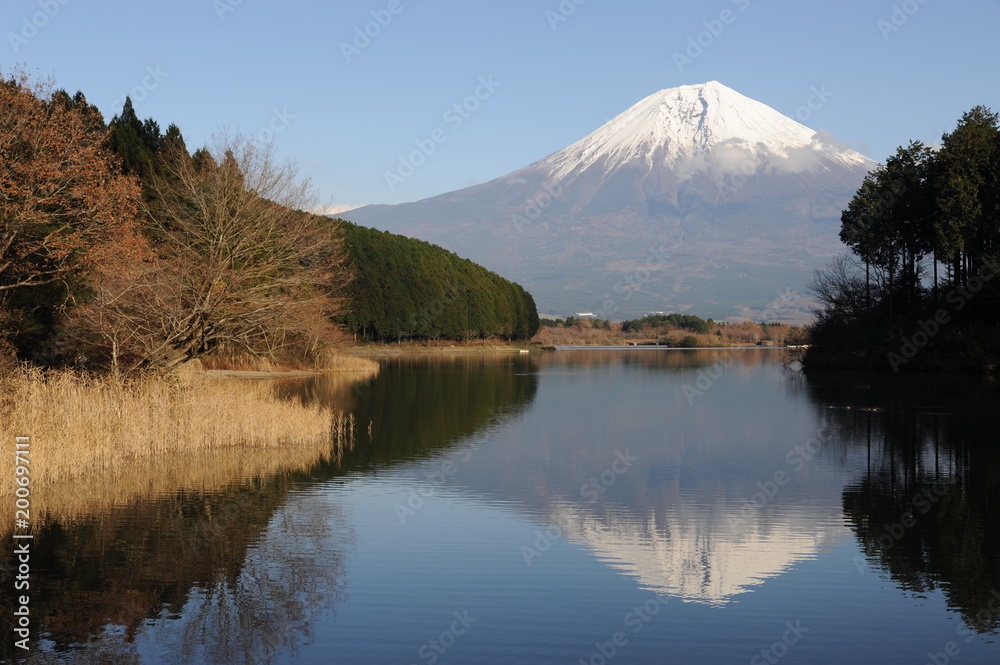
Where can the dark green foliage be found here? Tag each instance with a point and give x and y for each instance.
(688, 322)
(593, 323)
(409, 289)
(79, 102)
(925, 228)
(136, 142)
(30, 319)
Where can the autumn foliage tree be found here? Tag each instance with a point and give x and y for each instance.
(63, 202)
(118, 249)
(236, 265)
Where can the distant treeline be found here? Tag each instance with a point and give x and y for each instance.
(674, 330)
(919, 291)
(689, 322)
(410, 289)
(647, 323)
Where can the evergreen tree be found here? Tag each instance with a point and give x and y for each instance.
(409, 289)
(967, 198)
(135, 142)
(942, 206)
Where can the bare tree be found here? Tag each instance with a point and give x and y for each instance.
(841, 289)
(236, 263)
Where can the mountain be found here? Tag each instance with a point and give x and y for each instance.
(695, 199)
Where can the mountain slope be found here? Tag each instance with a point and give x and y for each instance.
(697, 198)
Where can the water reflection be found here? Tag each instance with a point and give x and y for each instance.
(654, 358)
(210, 569)
(420, 404)
(924, 508)
(689, 552)
(705, 496)
(290, 578)
(222, 557)
(679, 517)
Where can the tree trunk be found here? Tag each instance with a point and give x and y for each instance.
(868, 286)
(935, 287)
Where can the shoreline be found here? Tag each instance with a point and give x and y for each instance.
(400, 349)
(251, 374)
(534, 347)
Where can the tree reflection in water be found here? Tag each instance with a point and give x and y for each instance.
(925, 506)
(231, 576)
(242, 571)
(290, 579)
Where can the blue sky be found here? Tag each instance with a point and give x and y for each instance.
(554, 70)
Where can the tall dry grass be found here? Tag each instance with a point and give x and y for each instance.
(328, 360)
(96, 440)
(334, 361)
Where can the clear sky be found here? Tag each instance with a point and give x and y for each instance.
(547, 72)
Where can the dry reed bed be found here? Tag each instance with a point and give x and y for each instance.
(96, 441)
(327, 361)
(342, 362)
(150, 477)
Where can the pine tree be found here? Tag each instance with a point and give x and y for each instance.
(967, 198)
(134, 143)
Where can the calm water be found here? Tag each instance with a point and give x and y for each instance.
(628, 506)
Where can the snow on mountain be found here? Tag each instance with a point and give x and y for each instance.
(703, 124)
(695, 199)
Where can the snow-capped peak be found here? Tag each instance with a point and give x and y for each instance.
(689, 127)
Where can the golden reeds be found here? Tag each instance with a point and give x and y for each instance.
(341, 362)
(96, 440)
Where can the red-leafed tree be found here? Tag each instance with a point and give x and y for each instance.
(64, 204)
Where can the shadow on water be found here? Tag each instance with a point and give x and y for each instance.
(661, 358)
(925, 507)
(96, 581)
(419, 405)
(197, 566)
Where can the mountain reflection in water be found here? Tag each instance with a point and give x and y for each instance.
(546, 487)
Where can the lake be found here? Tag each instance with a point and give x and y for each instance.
(578, 506)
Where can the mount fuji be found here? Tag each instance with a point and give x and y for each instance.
(697, 199)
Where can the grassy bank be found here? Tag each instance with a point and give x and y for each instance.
(328, 361)
(438, 346)
(89, 431)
